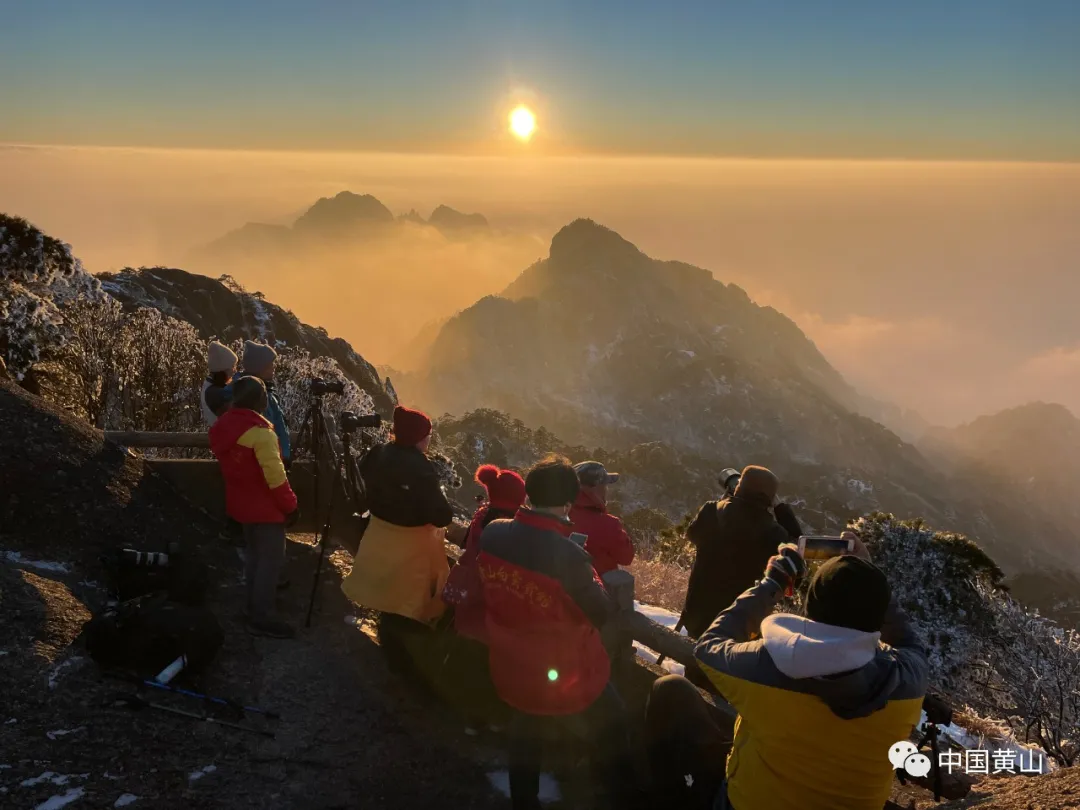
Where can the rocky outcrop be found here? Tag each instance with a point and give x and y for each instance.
(609, 348)
(221, 309)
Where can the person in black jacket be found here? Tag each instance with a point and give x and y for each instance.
(735, 537)
(402, 485)
(403, 489)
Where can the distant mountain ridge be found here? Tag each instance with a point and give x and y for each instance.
(609, 348)
(345, 216)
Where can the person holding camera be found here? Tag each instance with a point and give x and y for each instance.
(734, 537)
(259, 359)
(544, 605)
(821, 697)
(258, 496)
(400, 567)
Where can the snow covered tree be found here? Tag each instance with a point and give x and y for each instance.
(939, 579)
(96, 334)
(37, 275)
(162, 362)
(1029, 671)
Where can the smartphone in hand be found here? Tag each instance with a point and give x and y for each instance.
(824, 546)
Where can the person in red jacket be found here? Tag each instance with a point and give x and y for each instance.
(607, 543)
(257, 496)
(543, 606)
(505, 495)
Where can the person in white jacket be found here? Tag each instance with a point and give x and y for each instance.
(216, 388)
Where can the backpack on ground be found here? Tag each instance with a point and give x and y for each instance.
(146, 634)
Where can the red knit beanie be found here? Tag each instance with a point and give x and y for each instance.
(410, 427)
(505, 488)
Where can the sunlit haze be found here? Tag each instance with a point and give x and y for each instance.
(947, 287)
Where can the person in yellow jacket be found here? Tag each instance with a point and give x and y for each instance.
(821, 698)
(400, 567)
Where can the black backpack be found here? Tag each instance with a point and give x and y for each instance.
(146, 634)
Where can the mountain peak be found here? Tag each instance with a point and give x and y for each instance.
(446, 218)
(343, 212)
(585, 242)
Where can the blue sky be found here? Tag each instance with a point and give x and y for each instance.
(950, 79)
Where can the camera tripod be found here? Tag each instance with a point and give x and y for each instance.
(346, 475)
(313, 432)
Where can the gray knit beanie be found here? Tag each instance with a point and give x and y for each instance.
(257, 357)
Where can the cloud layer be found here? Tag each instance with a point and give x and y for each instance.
(947, 287)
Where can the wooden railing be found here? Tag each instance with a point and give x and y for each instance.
(150, 438)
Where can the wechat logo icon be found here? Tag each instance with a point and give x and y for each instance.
(905, 757)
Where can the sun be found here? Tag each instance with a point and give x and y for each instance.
(522, 122)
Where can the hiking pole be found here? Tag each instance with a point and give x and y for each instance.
(136, 703)
(232, 704)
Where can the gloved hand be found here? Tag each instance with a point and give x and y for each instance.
(292, 518)
(785, 567)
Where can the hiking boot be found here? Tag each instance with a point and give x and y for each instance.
(271, 628)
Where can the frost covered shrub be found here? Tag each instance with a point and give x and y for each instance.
(293, 373)
(163, 363)
(939, 580)
(91, 357)
(139, 370)
(1029, 671)
(37, 275)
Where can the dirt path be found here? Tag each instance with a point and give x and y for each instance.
(348, 737)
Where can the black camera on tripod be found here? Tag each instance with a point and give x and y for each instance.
(319, 387)
(350, 421)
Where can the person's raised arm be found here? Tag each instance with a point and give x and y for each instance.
(719, 646)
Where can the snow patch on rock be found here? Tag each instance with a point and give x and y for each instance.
(195, 776)
(56, 802)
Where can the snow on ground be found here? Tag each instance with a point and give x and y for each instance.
(262, 316)
(125, 800)
(195, 776)
(549, 787)
(63, 732)
(1030, 756)
(58, 779)
(56, 802)
(668, 619)
(54, 676)
(16, 558)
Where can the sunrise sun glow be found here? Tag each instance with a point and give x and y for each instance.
(522, 122)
